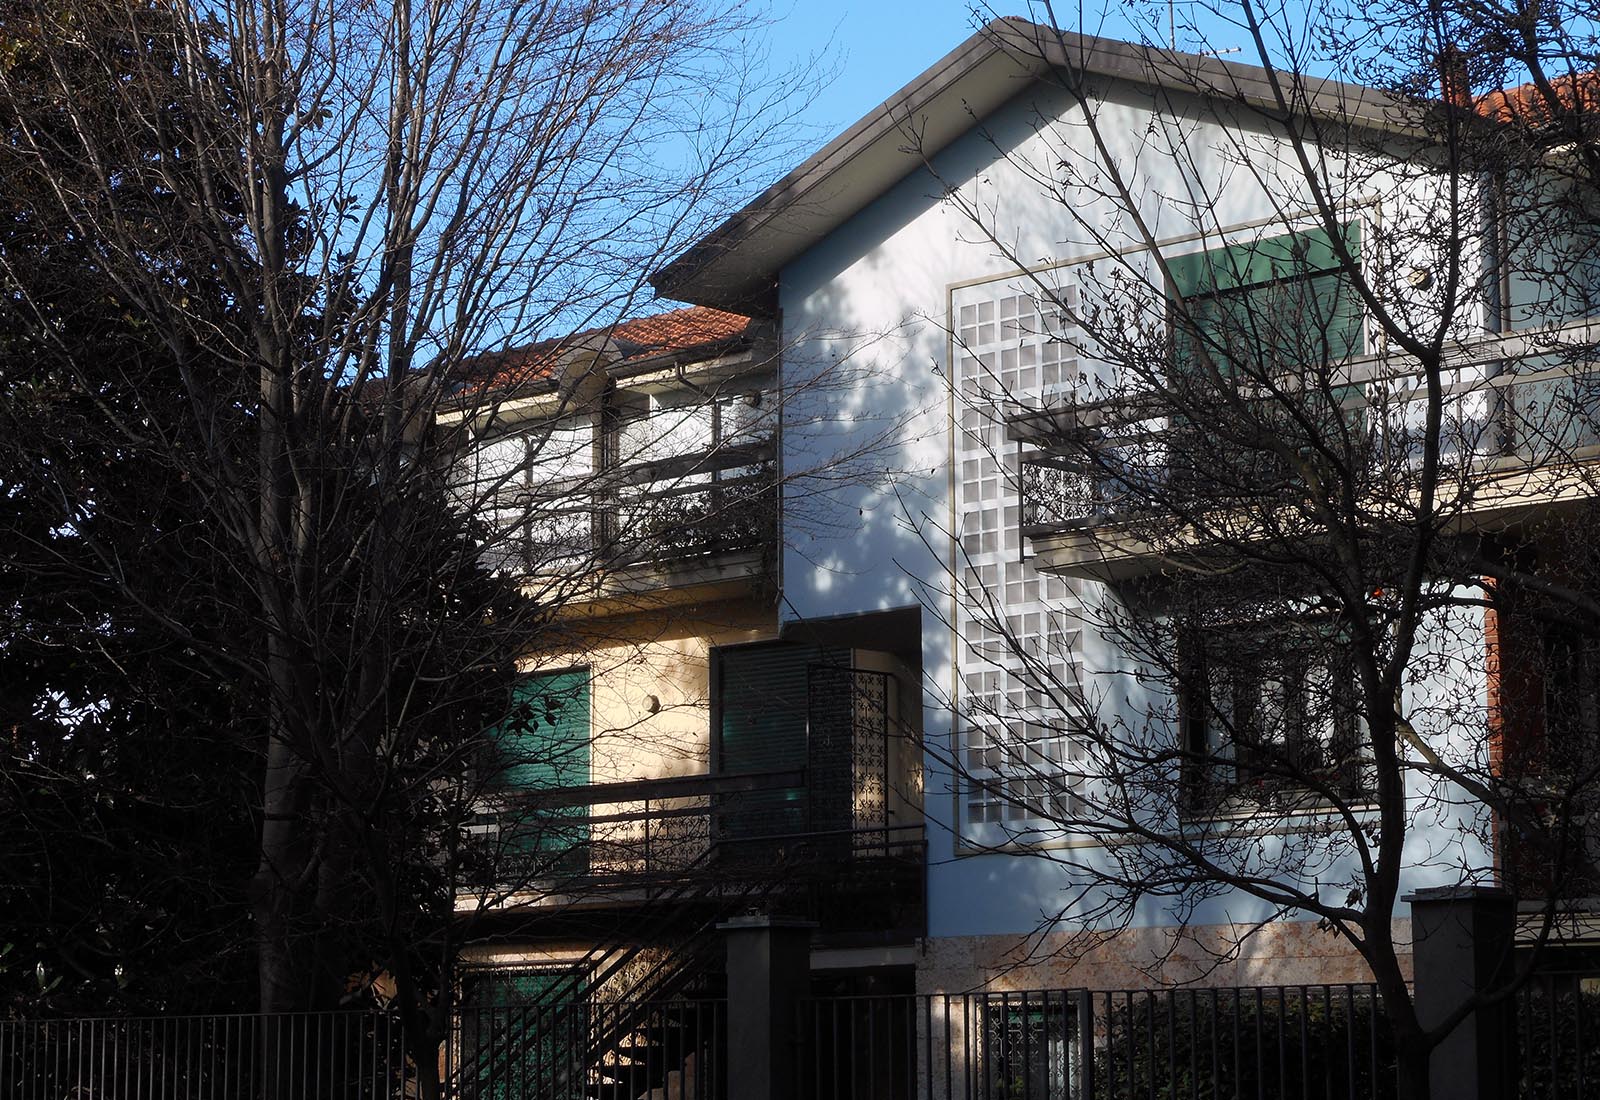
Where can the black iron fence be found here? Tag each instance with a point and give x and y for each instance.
(1558, 1035)
(598, 1050)
(1307, 1042)
(1312, 1042)
(332, 1055)
(1324, 1042)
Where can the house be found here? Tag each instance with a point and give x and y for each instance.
(674, 756)
(1015, 250)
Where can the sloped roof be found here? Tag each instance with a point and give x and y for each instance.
(627, 343)
(1527, 104)
(736, 264)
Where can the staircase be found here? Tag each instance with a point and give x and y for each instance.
(588, 1038)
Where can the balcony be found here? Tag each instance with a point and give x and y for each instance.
(1521, 436)
(714, 838)
(673, 528)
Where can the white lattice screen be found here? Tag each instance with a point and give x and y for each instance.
(1018, 654)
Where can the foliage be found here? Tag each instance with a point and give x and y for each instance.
(251, 251)
(1316, 1041)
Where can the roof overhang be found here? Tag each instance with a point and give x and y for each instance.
(736, 265)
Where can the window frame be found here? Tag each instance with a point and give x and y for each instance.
(1220, 265)
(1203, 797)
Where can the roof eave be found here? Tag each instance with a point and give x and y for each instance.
(737, 263)
(733, 265)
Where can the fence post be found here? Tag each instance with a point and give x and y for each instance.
(769, 970)
(1083, 1087)
(1462, 939)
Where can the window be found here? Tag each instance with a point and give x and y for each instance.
(674, 472)
(1551, 268)
(1018, 628)
(1572, 692)
(1021, 771)
(1572, 738)
(762, 705)
(1269, 308)
(787, 707)
(543, 746)
(1270, 716)
(1276, 316)
(693, 468)
(531, 488)
(1022, 760)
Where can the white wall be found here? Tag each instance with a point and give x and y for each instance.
(868, 309)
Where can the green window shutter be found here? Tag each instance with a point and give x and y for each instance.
(1281, 298)
(764, 703)
(544, 745)
(764, 706)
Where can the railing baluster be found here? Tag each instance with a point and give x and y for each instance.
(1172, 1040)
(1304, 1002)
(872, 1045)
(1555, 1031)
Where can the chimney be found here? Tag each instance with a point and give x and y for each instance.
(1454, 85)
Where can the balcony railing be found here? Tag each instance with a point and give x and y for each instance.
(663, 513)
(1512, 404)
(633, 835)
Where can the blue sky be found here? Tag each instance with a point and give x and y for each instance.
(879, 45)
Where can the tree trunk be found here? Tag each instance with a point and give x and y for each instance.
(1411, 1058)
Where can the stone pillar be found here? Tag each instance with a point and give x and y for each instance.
(1462, 941)
(769, 971)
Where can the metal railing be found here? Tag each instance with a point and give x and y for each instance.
(1313, 1042)
(662, 512)
(504, 1052)
(1322, 1042)
(1511, 401)
(634, 832)
(290, 1056)
(1558, 1023)
(1302, 1042)
(615, 834)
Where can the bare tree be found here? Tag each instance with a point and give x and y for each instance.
(1302, 445)
(319, 217)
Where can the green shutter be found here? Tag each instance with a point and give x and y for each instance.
(1270, 304)
(543, 745)
(544, 742)
(764, 705)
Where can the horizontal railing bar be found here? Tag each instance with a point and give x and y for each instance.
(1490, 349)
(639, 790)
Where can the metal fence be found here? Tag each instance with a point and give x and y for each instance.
(1558, 1025)
(1312, 1042)
(1308, 1042)
(1324, 1042)
(340, 1056)
(601, 1050)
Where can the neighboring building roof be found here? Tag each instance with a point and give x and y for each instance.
(735, 266)
(697, 329)
(1527, 105)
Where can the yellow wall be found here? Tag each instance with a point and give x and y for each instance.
(665, 655)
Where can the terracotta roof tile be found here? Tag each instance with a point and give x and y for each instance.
(680, 330)
(1527, 105)
(632, 341)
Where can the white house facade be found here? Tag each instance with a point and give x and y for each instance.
(930, 248)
